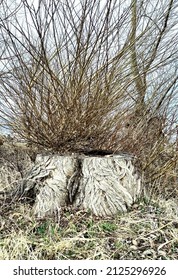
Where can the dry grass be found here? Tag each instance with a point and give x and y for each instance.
(15, 160)
(148, 232)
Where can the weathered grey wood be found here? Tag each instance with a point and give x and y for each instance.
(108, 185)
(53, 192)
(105, 185)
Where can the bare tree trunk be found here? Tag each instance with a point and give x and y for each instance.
(105, 185)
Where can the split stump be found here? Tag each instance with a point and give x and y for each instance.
(105, 185)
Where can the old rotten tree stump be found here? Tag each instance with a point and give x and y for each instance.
(105, 185)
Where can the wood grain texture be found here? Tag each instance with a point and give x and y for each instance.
(105, 185)
(108, 185)
(53, 191)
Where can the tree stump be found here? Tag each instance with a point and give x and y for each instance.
(105, 185)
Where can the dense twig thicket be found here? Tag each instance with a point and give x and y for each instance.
(87, 74)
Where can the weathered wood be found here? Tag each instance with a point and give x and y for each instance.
(55, 173)
(108, 185)
(105, 185)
